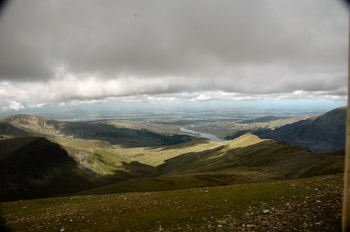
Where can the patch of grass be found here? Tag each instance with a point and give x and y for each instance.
(180, 181)
(279, 160)
(330, 165)
(105, 158)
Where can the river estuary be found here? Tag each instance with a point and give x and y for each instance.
(202, 134)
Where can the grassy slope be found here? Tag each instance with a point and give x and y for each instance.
(179, 181)
(246, 159)
(303, 205)
(105, 158)
(330, 165)
(278, 159)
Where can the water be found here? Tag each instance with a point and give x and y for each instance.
(201, 134)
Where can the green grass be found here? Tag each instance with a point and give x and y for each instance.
(179, 181)
(330, 165)
(105, 158)
(279, 160)
(181, 210)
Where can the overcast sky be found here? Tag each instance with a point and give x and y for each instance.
(64, 51)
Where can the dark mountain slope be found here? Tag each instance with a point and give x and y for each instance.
(122, 136)
(35, 167)
(8, 129)
(325, 133)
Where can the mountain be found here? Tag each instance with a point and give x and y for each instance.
(35, 167)
(136, 160)
(30, 125)
(321, 134)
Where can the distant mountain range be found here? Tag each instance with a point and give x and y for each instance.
(30, 125)
(321, 134)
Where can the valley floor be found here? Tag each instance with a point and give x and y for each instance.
(312, 204)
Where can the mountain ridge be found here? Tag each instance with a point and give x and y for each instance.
(320, 134)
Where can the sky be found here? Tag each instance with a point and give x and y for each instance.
(67, 52)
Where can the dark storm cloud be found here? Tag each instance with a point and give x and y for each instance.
(260, 46)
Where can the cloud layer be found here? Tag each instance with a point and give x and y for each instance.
(65, 51)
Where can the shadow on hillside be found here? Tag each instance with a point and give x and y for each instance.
(38, 168)
(124, 137)
(194, 142)
(276, 159)
(8, 129)
(135, 169)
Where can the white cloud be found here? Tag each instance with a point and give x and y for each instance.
(72, 91)
(11, 105)
(173, 51)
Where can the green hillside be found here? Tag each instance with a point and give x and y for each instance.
(243, 160)
(275, 159)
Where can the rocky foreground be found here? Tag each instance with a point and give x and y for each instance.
(312, 204)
